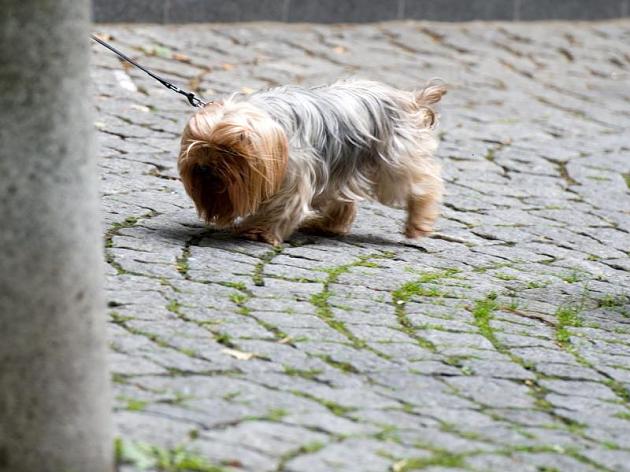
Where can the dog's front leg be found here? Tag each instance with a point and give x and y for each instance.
(275, 220)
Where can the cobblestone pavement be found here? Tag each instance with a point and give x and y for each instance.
(501, 343)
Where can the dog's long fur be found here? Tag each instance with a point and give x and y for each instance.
(293, 157)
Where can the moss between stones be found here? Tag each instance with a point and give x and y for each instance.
(146, 456)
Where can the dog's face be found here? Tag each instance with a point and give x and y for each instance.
(233, 157)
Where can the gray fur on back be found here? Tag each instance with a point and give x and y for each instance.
(349, 125)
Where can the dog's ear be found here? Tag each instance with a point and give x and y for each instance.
(430, 94)
(424, 98)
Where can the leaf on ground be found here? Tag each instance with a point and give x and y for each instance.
(104, 36)
(181, 57)
(240, 355)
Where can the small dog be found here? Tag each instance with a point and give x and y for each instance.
(291, 157)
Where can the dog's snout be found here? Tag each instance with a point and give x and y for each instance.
(211, 181)
(204, 170)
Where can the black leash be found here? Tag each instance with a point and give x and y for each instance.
(192, 99)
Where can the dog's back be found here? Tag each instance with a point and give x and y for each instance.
(350, 125)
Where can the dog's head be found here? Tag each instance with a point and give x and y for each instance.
(233, 157)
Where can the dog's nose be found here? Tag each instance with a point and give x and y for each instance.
(204, 170)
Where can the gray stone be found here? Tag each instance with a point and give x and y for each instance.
(54, 400)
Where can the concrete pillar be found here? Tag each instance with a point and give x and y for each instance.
(54, 386)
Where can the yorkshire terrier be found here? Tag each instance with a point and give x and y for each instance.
(269, 163)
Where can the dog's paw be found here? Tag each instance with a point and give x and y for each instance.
(418, 230)
(324, 228)
(258, 234)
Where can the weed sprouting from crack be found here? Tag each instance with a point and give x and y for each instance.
(482, 313)
(567, 316)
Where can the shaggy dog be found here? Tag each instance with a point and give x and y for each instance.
(269, 163)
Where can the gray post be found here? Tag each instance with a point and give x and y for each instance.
(54, 387)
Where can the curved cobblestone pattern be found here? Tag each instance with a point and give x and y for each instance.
(500, 343)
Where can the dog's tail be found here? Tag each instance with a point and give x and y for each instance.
(427, 96)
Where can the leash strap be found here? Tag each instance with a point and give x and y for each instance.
(192, 99)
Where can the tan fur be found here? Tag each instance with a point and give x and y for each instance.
(231, 160)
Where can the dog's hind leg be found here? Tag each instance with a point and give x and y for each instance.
(416, 184)
(423, 203)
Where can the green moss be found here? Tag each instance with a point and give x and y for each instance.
(399, 298)
(224, 339)
(322, 306)
(236, 285)
(181, 264)
(136, 405)
(572, 277)
(619, 389)
(119, 378)
(119, 319)
(503, 276)
(128, 222)
(389, 433)
(240, 299)
(567, 316)
(257, 276)
(537, 284)
(180, 398)
(312, 447)
(146, 456)
(342, 366)
(308, 448)
(482, 312)
(626, 177)
(231, 395)
(276, 414)
(333, 407)
(305, 374)
(417, 288)
(612, 301)
(439, 458)
(174, 306)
